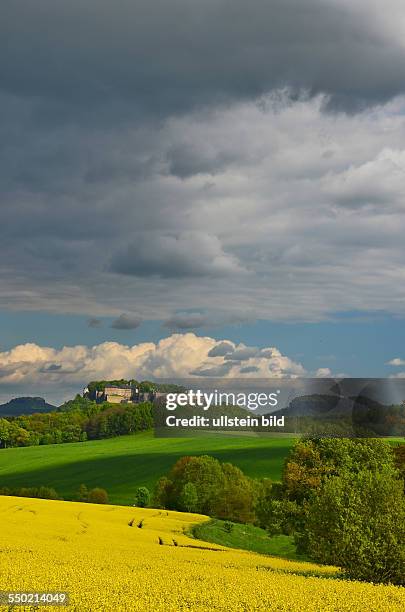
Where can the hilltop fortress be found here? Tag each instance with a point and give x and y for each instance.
(121, 394)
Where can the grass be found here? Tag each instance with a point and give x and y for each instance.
(247, 537)
(121, 464)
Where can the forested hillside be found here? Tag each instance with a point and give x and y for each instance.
(77, 420)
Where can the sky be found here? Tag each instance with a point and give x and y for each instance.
(176, 177)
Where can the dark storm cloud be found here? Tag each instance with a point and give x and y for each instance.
(249, 370)
(150, 163)
(242, 354)
(185, 255)
(52, 367)
(126, 321)
(195, 320)
(186, 320)
(221, 349)
(185, 161)
(220, 370)
(266, 353)
(166, 57)
(94, 323)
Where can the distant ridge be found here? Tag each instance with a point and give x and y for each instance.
(25, 405)
(317, 405)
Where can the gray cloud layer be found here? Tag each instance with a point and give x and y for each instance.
(170, 158)
(171, 56)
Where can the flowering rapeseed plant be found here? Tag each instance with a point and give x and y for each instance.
(113, 558)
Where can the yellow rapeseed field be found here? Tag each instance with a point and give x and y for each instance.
(126, 559)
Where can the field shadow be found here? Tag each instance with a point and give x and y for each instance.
(120, 474)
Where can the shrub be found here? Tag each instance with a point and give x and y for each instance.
(47, 493)
(82, 494)
(162, 493)
(142, 497)
(98, 496)
(274, 511)
(35, 492)
(358, 522)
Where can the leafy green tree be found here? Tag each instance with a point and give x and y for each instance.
(163, 493)
(189, 497)
(142, 497)
(311, 461)
(21, 436)
(4, 433)
(79, 404)
(264, 504)
(237, 499)
(146, 386)
(82, 494)
(98, 496)
(206, 474)
(41, 492)
(357, 521)
(47, 493)
(274, 512)
(220, 490)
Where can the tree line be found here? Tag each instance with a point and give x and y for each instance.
(144, 386)
(97, 495)
(341, 499)
(77, 420)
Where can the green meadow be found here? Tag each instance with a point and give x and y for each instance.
(121, 464)
(247, 537)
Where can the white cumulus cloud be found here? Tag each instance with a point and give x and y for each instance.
(396, 362)
(30, 369)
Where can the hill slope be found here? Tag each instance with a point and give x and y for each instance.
(100, 556)
(122, 464)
